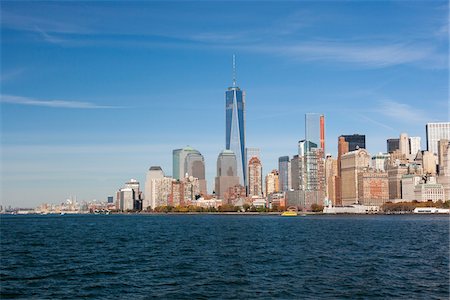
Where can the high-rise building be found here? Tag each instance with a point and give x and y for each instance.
(226, 172)
(188, 161)
(110, 199)
(255, 177)
(429, 163)
(330, 175)
(414, 146)
(342, 149)
(235, 125)
(195, 166)
(443, 144)
(355, 141)
(154, 175)
(272, 182)
(315, 130)
(352, 163)
(404, 144)
(395, 174)
(436, 132)
(283, 167)
(249, 154)
(392, 145)
(296, 163)
(129, 197)
(444, 167)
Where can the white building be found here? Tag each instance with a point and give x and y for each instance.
(404, 144)
(414, 146)
(429, 192)
(379, 161)
(436, 132)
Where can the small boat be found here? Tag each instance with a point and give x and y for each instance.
(290, 212)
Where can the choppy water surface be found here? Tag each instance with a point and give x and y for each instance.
(228, 257)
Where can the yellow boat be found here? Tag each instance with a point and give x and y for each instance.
(290, 212)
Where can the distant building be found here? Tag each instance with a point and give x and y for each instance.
(429, 163)
(429, 192)
(226, 173)
(373, 187)
(315, 130)
(234, 194)
(235, 126)
(129, 197)
(330, 178)
(255, 177)
(272, 182)
(395, 174)
(443, 146)
(153, 174)
(249, 154)
(351, 164)
(404, 145)
(392, 145)
(342, 149)
(414, 146)
(284, 166)
(110, 199)
(444, 167)
(191, 162)
(380, 161)
(355, 141)
(436, 132)
(408, 184)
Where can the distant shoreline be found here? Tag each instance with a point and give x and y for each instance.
(300, 214)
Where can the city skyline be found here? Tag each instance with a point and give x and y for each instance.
(111, 122)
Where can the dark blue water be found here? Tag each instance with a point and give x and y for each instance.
(229, 257)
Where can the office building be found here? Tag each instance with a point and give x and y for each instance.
(404, 144)
(380, 161)
(226, 173)
(189, 162)
(429, 163)
(414, 146)
(443, 145)
(284, 166)
(315, 130)
(373, 187)
(436, 132)
(352, 163)
(129, 197)
(395, 175)
(330, 177)
(255, 177)
(342, 149)
(235, 125)
(392, 145)
(157, 188)
(355, 141)
(272, 182)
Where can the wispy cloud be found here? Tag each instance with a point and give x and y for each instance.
(10, 99)
(47, 37)
(402, 111)
(373, 121)
(375, 56)
(11, 74)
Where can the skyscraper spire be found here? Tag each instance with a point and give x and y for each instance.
(234, 70)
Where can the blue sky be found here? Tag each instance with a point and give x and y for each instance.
(94, 93)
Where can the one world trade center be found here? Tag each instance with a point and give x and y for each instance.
(235, 125)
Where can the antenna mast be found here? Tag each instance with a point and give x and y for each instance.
(234, 70)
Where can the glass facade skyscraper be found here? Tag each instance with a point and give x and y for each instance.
(315, 130)
(355, 141)
(283, 167)
(235, 127)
